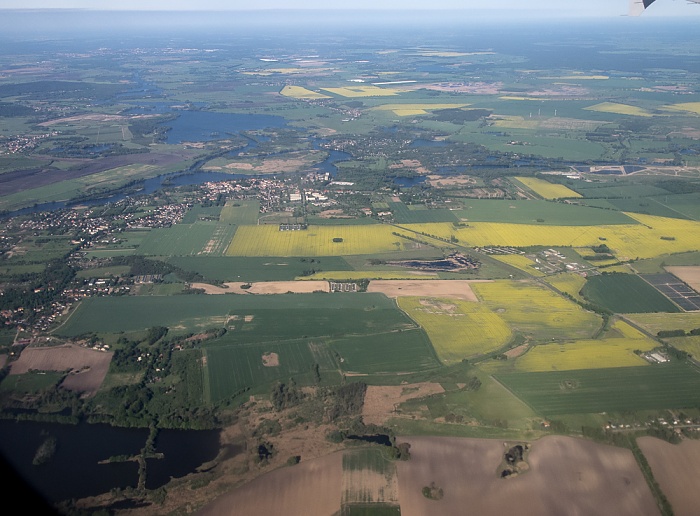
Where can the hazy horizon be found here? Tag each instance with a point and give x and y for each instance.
(535, 8)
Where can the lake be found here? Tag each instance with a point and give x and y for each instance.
(75, 472)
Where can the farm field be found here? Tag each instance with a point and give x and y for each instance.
(415, 109)
(275, 316)
(579, 476)
(232, 366)
(453, 289)
(661, 386)
(615, 191)
(371, 274)
(406, 215)
(617, 349)
(690, 275)
(546, 189)
(87, 367)
(655, 323)
(538, 212)
(298, 92)
(288, 491)
(457, 329)
(521, 262)
(642, 240)
(626, 293)
(186, 239)
(263, 268)
(264, 287)
(534, 310)
(240, 212)
(393, 352)
(620, 109)
(693, 107)
(369, 478)
(380, 400)
(362, 91)
(315, 241)
(568, 282)
(675, 468)
(690, 345)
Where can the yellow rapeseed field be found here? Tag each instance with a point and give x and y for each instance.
(457, 329)
(268, 240)
(546, 189)
(297, 92)
(615, 350)
(620, 109)
(415, 109)
(362, 91)
(693, 107)
(654, 236)
(521, 262)
(533, 309)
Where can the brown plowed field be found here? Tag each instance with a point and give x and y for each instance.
(676, 467)
(88, 367)
(307, 489)
(690, 275)
(455, 289)
(566, 476)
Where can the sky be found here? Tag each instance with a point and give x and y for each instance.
(607, 8)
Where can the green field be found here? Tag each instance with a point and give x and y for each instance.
(395, 352)
(418, 214)
(240, 212)
(235, 268)
(179, 239)
(662, 386)
(232, 367)
(617, 190)
(199, 212)
(249, 318)
(538, 212)
(626, 293)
